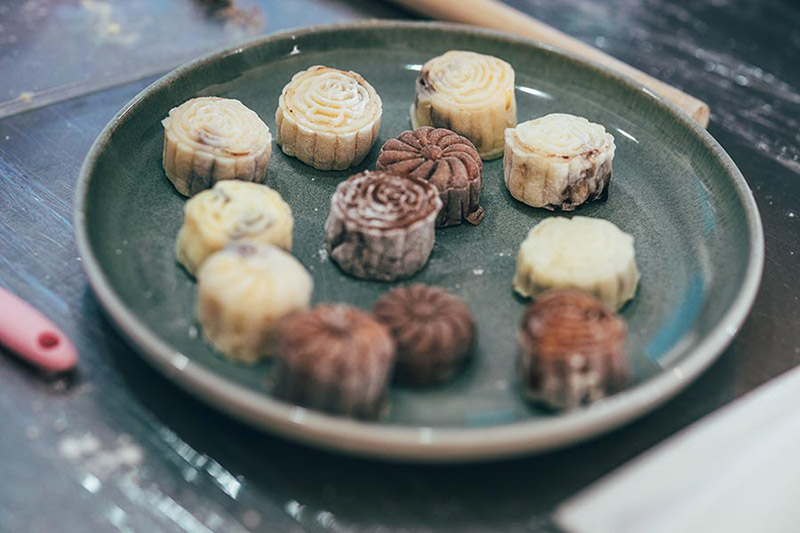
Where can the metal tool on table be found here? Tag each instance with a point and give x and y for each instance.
(31, 335)
(499, 16)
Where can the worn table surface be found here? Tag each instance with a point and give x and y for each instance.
(116, 447)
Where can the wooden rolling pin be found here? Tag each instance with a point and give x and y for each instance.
(496, 15)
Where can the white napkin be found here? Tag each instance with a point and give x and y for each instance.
(735, 471)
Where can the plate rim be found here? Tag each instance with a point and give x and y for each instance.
(416, 443)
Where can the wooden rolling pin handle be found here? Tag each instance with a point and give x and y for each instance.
(496, 15)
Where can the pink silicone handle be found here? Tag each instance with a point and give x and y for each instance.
(30, 334)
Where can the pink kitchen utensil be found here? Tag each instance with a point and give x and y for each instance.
(31, 335)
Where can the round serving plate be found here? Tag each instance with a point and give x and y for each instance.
(699, 242)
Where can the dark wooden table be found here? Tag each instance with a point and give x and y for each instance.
(116, 447)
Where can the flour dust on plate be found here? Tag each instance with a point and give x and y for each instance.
(699, 247)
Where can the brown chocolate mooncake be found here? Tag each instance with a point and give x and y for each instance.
(444, 158)
(572, 350)
(434, 332)
(381, 225)
(334, 358)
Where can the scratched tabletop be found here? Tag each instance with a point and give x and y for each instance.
(116, 447)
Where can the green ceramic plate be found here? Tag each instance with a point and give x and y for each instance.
(698, 235)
